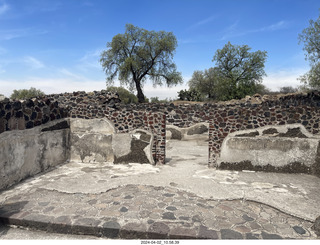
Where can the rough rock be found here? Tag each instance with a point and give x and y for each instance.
(134, 147)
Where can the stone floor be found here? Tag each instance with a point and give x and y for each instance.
(181, 200)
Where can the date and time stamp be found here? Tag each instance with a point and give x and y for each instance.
(160, 242)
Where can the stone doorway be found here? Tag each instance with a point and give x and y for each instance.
(187, 145)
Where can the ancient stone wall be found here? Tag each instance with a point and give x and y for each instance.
(228, 118)
(224, 118)
(28, 114)
(103, 104)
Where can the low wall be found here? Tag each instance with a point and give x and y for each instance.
(287, 148)
(25, 153)
(290, 109)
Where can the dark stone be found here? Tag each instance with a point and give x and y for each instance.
(17, 105)
(196, 218)
(292, 133)
(299, 230)
(19, 114)
(182, 233)
(230, 234)
(270, 131)
(267, 114)
(266, 235)
(247, 218)
(136, 154)
(29, 124)
(175, 134)
(133, 231)
(295, 167)
(168, 195)
(45, 119)
(58, 126)
(184, 218)
(111, 229)
(168, 215)
(158, 230)
(252, 236)
(205, 233)
(30, 103)
(128, 197)
(123, 209)
(251, 134)
(8, 116)
(171, 208)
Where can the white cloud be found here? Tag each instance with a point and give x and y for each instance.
(4, 8)
(33, 62)
(90, 60)
(51, 85)
(233, 30)
(277, 26)
(282, 78)
(17, 33)
(203, 22)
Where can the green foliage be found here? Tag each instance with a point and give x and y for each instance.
(125, 96)
(240, 71)
(311, 80)
(206, 82)
(190, 95)
(138, 54)
(157, 100)
(288, 89)
(154, 100)
(23, 94)
(310, 37)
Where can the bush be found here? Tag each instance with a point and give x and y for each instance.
(23, 94)
(125, 96)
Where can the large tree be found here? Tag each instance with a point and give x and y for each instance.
(206, 82)
(240, 71)
(310, 37)
(139, 54)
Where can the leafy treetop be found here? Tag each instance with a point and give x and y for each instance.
(138, 54)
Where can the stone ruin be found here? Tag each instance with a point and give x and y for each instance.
(285, 148)
(39, 133)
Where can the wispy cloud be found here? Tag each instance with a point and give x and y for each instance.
(90, 60)
(33, 62)
(235, 31)
(67, 73)
(18, 33)
(203, 22)
(4, 8)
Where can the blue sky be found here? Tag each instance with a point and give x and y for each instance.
(54, 45)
